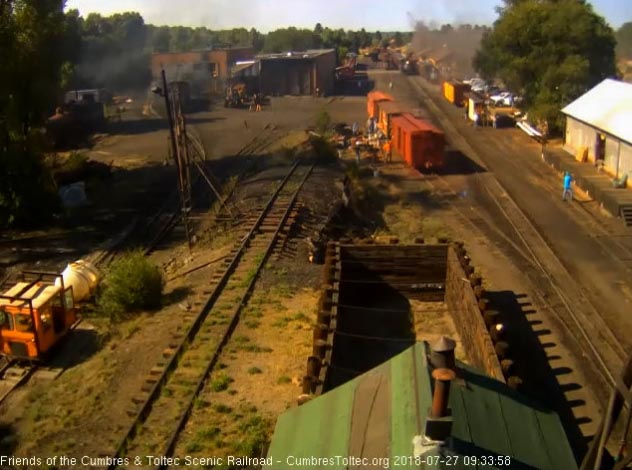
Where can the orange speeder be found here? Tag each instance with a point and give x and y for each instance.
(34, 315)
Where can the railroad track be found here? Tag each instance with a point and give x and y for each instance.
(171, 388)
(12, 375)
(574, 311)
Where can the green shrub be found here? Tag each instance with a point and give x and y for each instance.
(254, 370)
(323, 121)
(253, 436)
(77, 161)
(132, 284)
(324, 150)
(220, 408)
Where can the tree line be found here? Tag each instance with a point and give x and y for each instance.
(113, 51)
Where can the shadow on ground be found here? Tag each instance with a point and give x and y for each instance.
(8, 439)
(530, 346)
(357, 87)
(373, 326)
(77, 347)
(145, 125)
(457, 163)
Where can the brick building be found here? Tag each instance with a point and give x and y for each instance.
(297, 73)
(206, 71)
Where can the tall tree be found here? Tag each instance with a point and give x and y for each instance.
(552, 51)
(32, 52)
(160, 40)
(624, 41)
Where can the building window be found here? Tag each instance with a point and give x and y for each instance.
(213, 69)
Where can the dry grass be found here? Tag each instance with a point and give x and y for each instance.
(265, 359)
(431, 320)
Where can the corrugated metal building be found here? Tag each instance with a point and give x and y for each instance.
(599, 126)
(381, 415)
(297, 73)
(206, 71)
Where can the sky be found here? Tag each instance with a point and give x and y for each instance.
(373, 15)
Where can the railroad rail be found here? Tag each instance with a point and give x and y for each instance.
(172, 387)
(12, 375)
(12, 372)
(575, 312)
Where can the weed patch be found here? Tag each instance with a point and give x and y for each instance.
(221, 383)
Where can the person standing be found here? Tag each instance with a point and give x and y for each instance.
(568, 188)
(257, 102)
(476, 118)
(357, 150)
(354, 129)
(388, 154)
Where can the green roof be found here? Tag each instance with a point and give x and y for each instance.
(378, 414)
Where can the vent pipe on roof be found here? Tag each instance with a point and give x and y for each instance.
(441, 394)
(438, 426)
(442, 353)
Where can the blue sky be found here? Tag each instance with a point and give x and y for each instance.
(374, 15)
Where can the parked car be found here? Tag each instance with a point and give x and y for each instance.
(492, 90)
(478, 85)
(502, 98)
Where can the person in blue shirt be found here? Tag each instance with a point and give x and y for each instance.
(568, 189)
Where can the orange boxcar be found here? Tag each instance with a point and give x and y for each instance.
(386, 111)
(373, 98)
(419, 143)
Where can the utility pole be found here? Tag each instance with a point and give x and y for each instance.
(182, 168)
(174, 145)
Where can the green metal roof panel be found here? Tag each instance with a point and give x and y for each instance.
(483, 413)
(559, 453)
(380, 412)
(405, 418)
(318, 428)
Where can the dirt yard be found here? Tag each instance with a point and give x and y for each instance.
(261, 368)
(93, 395)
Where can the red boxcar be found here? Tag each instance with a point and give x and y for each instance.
(419, 143)
(374, 97)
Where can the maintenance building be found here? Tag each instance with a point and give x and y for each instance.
(297, 73)
(598, 127)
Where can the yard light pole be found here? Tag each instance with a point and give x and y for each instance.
(165, 94)
(181, 166)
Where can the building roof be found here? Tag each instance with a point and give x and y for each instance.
(241, 67)
(378, 414)
(608, 107)
(308, 54)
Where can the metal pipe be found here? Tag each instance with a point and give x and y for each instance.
(441, 393)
